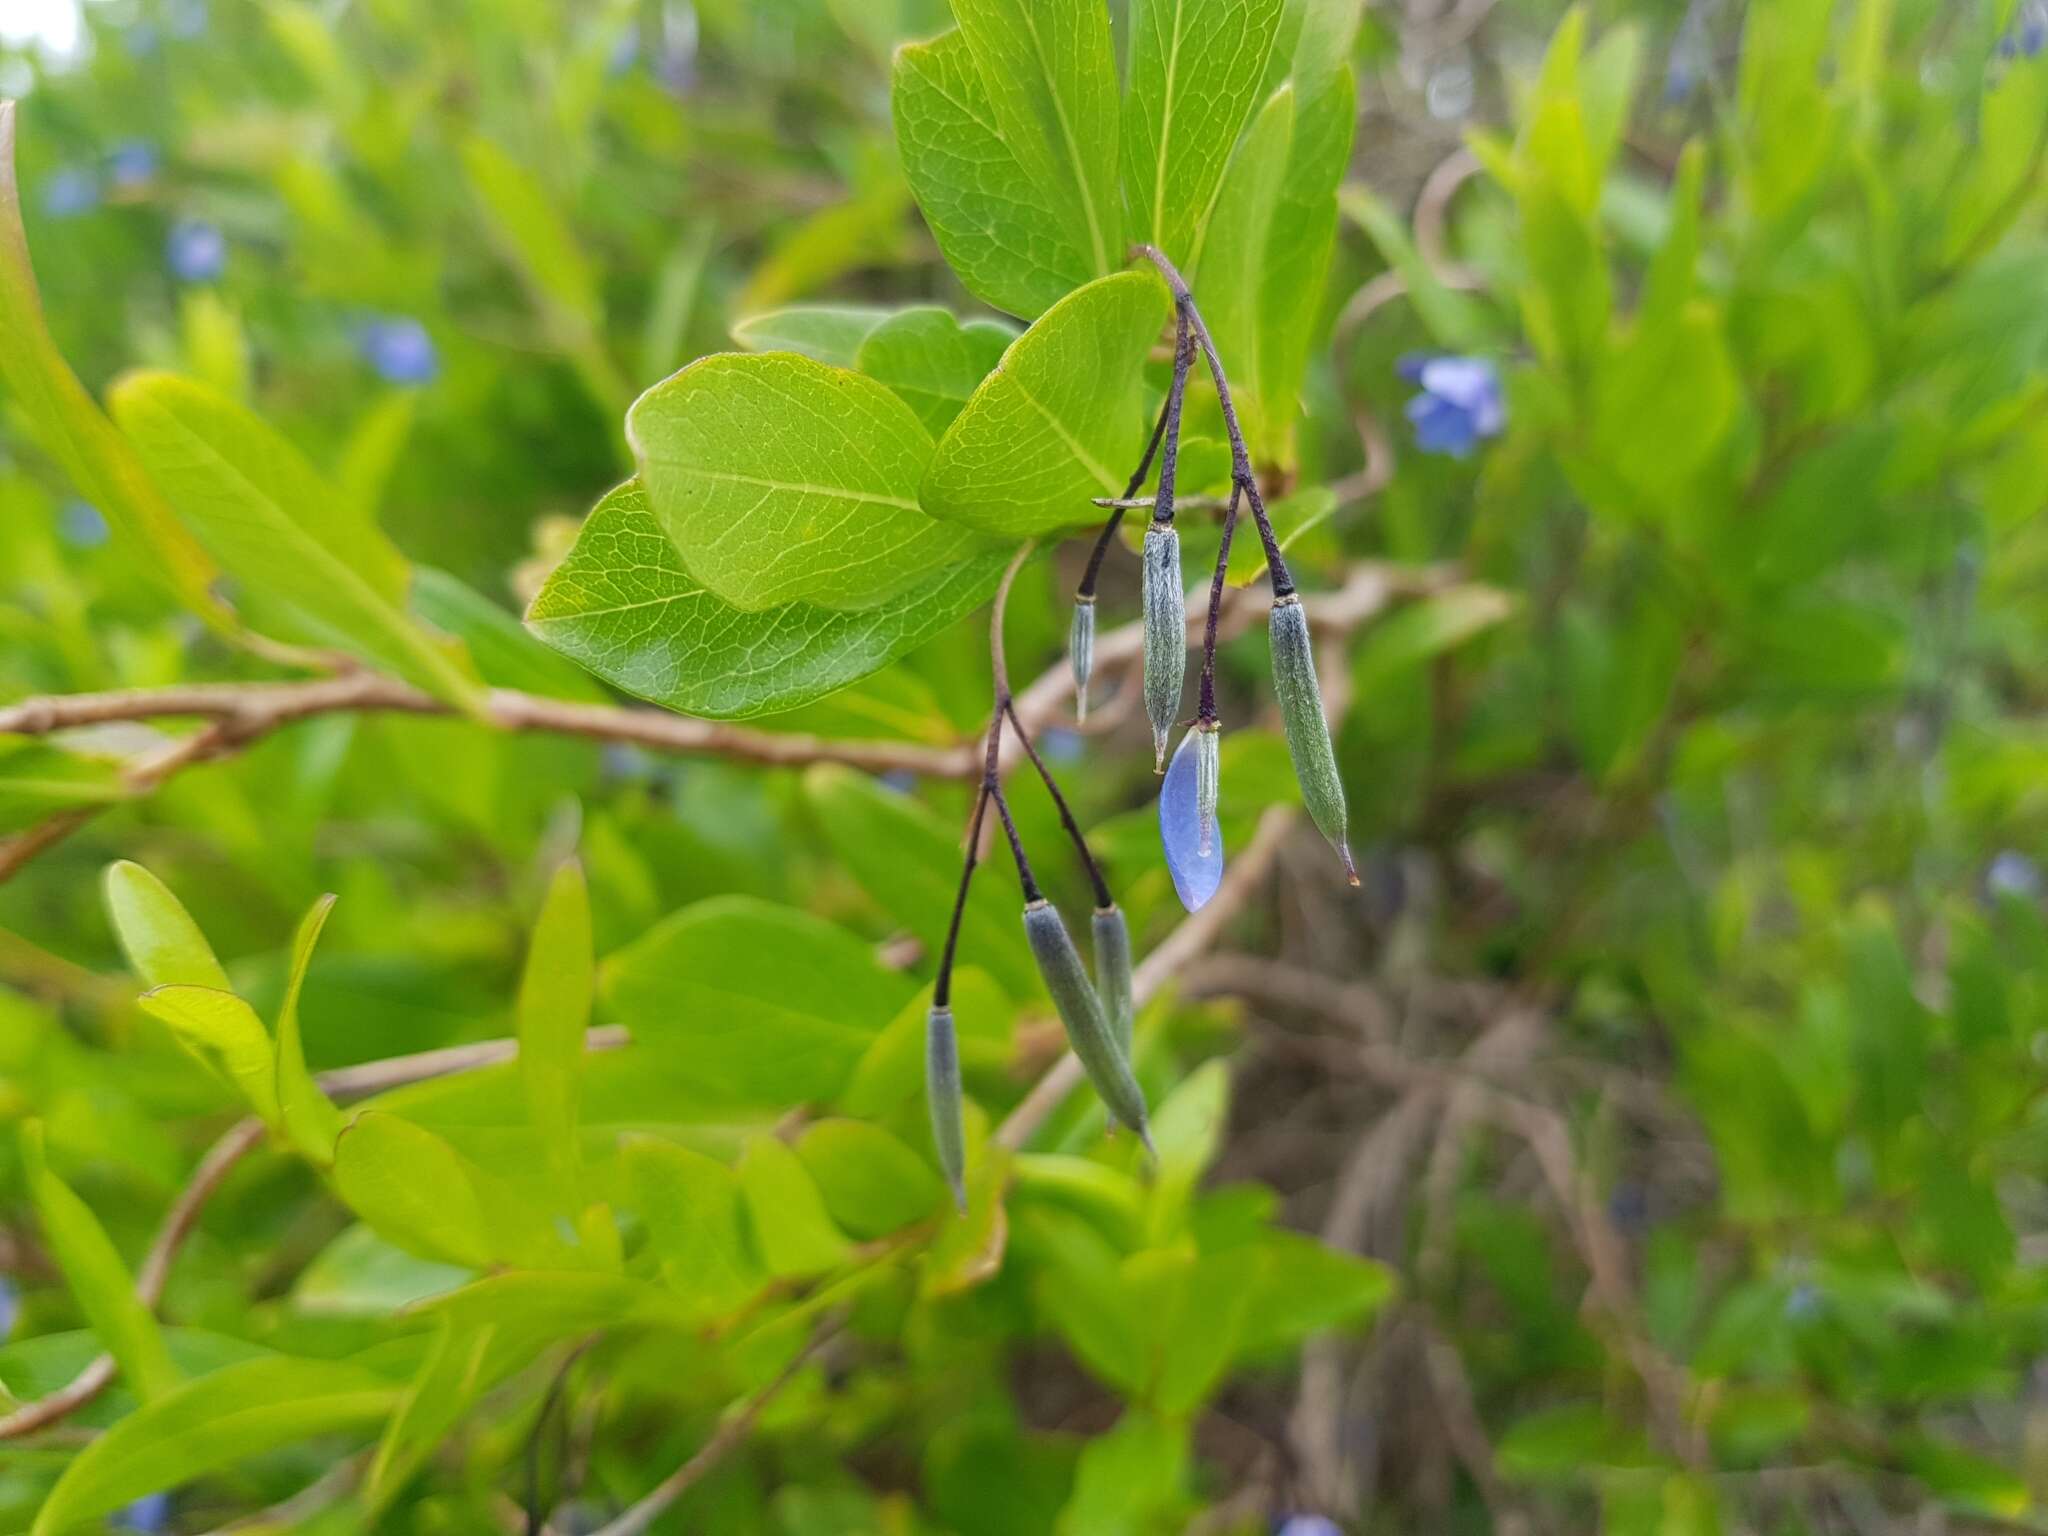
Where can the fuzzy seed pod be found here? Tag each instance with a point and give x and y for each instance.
(1208, 782)
(1166, 634)
(942, 1088)
(1081, 651)
(1308, 733)
(1113, 973)
(1081, 1012)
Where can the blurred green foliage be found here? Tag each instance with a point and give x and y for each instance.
(1714, 744)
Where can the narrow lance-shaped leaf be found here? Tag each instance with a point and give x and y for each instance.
(157, 934)
(98, 1280)
(310, 1118)
(554, 1011)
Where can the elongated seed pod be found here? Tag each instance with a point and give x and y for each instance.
(1166, 634)
(1080, 1010)
(1208, 782)
(1308, 733)
(1197, 870)
(1081, 651)
(1113, 973)
(942, 1088)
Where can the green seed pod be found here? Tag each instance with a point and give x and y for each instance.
(1113, 973)
(1208, 780)
(1308, 733)
(1166, 634)
(1081, 1012)
(1081, 651)
(942, 1088)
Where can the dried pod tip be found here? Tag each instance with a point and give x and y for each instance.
(1308, 733)
(1208, 782)
(942, 1087)
(1166, 634)
(1081, 1011)
(1113, 973)
(1081, 651)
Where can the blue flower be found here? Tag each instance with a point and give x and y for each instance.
(132, 163)
(398, 350)
(2028, 34)
(1460, 403)
(10, 1305)
(2013, 874)
(1308, 1525)
(70, 192)
(1062, 745)
(80, 524)
(149, 1514)
(1691, 53)
(197, 251)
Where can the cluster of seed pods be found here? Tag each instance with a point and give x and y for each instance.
(1098, 1013)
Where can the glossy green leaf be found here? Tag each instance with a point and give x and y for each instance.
(872, 1183)
(1049, 72)
(97, 1278)
(622, 605)
(278, 528)
(70, 425)
(782, 480)
(1231, 278)
(310, 1118)
(1193, 81)
(786, 1213)
(225, 1032)
(237, 1412)
(413, 1188)
(828, 333)
(932, 360)
(713, 993)
(908, 860)
(998, 231)
(553, 1012)
(157, 934)
(690, 1205)
(1061, 418)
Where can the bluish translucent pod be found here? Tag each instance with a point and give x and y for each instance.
(1196, 869)
(1208, 780)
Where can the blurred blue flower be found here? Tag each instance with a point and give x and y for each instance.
(80, 524)
(10, 1305)
(1804, 1302)
(398, 350)
(132, 163)
(149, 1514)
(1460, 402)
(1308, 1525)
(1691, 53)
(70, 192)
(901, 780)
(1062, 745)
(142, 40)
(197, 251)
(2028, 34)
(2013, 874)
(185, 19)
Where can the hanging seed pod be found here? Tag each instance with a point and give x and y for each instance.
(1081, 651)
(1081, 1012)
(1308, 733)
(942, 1088)
(1208, 782)
(1166, 634)
(1113, 973)
(1197, 869)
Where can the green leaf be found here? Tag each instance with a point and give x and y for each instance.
(1196, 1308)
(157, 934)
(554, 1011)
(277, 527)
(1186, 1128)
(237, 1412)
(1451, 318)
(1293, 516)
(622, 605)
(827, 333)
(506, 655)
(996, 229)
(1559, 1444)
(447, 1384)
(361, 1275)
(310, 1119)
(1060, 419)
(413, 1188)
(1306, 1288)
(933, 361)
(1130, 1480)
(225, 1032)
(1080, 1287)
(712, 992)
(72, 428)
(871, 1182)
(908, 860)
(1194, 75)
(1049, 72)
(1231, 277)
(780, 479)
(792, 1231)
(690, 1205)
(1424, 629)
(95, 1275)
